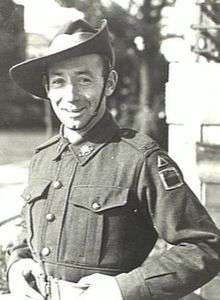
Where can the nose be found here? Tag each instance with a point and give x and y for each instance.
(71, 93)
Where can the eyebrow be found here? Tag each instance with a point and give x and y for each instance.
(56, 73)
(87, 72)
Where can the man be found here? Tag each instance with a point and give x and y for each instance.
(98, 196)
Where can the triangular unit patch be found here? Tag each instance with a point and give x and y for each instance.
(162, 162)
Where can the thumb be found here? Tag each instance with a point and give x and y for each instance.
(88, 280)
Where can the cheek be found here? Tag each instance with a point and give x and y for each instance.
(92, 97)
(54, 105)
(55, 95)
(87, 98)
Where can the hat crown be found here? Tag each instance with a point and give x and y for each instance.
(64, 41)
(77, 33)
(76, 26)
(71, 35)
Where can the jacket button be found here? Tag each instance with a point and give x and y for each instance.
(50, 217)
(57, 184)
(96, 205)
(45, 251)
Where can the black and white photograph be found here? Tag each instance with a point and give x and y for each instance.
(110, 150)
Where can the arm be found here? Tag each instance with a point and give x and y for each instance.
(20, 250)
(181, 220)
(22, 270)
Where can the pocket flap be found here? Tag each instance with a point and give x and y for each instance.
(35, 189)
(99, 199)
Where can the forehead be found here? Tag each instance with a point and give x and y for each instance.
(86, 63)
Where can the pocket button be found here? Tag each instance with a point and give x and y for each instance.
(57, 184)
(96, 205)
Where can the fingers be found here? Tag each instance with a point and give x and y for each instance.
(32, 294)
(80, 285)
(67, 288)
(18, 285)
(27, 291)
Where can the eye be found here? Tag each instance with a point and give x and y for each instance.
(84, 80)
(57, 82)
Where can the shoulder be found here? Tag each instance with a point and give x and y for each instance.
(157, 162)
(44, 152)
(51, 141)
(138, 141)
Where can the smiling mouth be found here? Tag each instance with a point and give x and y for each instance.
(70, 110)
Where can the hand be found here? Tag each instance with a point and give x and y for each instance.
(18, 275)
(66, 289)
(100, 287)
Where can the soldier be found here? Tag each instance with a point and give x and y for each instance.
(99, 196)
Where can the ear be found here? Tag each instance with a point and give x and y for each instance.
(111, 83)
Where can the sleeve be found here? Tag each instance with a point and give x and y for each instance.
(21, 249)
(179, 218)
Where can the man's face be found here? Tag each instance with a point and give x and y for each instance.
(75, 88)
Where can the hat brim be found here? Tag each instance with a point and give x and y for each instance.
(28, 74)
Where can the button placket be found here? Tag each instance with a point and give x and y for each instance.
(45, 251)
(47, 244)
(50, 217)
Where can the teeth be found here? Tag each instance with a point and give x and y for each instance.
(74, 110)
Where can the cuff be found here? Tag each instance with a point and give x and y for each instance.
(133, 286)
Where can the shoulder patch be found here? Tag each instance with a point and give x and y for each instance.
(170, 178)
(169, 173)
(48, 143)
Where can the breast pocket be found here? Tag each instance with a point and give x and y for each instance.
(89, 211)
(34, 195)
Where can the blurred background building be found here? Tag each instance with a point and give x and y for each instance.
(167, 55)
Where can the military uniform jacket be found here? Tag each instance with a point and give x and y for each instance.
(99, 208)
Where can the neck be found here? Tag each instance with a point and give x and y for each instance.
(73, 136)
(78, 136)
